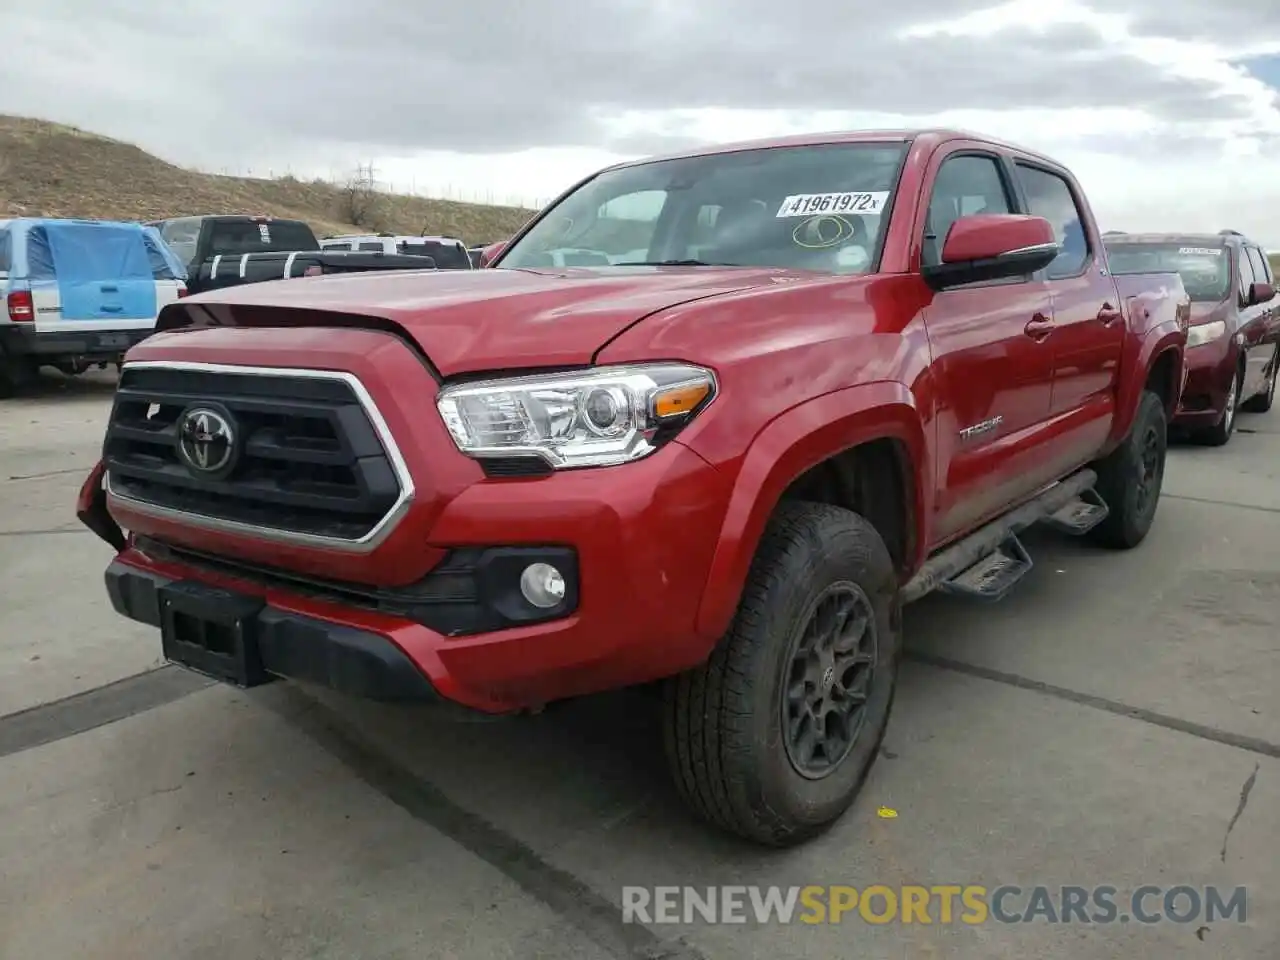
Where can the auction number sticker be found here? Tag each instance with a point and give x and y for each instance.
(809, 204)
(1200, 251)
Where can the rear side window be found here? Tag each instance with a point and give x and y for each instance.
(39, 255)
(181, 236)
(371, 245)
(1050, 196)
(965, 185)
(337, 246)
(160, 268)
(6, 258)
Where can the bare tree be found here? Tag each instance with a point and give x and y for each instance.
(362, 202)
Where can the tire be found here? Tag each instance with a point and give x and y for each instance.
(1262, 402)
(724, 728)
(1220, 432)
(15, 373)
(1131, 476)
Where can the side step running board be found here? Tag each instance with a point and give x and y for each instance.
(994, 575)
(959, 563)
(1080, 515)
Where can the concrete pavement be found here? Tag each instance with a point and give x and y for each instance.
(1114, 721)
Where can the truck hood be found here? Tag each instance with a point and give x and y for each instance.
(494, 319)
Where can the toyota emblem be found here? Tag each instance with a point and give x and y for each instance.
(206, 441)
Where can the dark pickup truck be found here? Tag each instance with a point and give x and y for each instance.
(228, 251)
(220, 272)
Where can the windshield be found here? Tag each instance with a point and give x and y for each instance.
(820, 208)
(1205, 271)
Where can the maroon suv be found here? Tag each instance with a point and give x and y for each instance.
(1233, 346)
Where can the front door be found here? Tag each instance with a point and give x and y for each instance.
(992, 358)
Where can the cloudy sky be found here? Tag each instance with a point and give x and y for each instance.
(1168, 110)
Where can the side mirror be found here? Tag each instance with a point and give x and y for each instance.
(1261, 293)
(491, 252)
(988, 246)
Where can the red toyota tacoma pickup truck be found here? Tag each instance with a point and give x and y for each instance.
(806, 381)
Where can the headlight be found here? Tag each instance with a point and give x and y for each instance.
(1205, 332)
(594, 418)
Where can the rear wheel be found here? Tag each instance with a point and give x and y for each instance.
(772, 738)
(1262, 402)
(15, 374)
(1131, 477)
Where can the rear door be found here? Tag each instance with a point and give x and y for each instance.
(990, 354)
(90, 276)
(1088, 323)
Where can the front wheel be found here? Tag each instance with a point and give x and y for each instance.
(772, 738)
(1220, 432)
(1131, 477)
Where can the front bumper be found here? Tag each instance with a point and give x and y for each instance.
(1210, 369)
(50, 346)
(642, 538)
(346, 659)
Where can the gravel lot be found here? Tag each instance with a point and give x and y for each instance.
(1115, 721)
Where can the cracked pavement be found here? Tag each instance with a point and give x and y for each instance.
(1114, 721)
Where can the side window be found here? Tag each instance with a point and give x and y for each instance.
(337, 246)
(160, 268)
(5, 257)
(965, 185)
(1244, 274)
(374, 245)
(1258, 261)
(39, 256)
(1049, 196)
(182, 237)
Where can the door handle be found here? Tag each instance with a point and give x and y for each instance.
(1038, 327)
(1108, 314)
(109, 288)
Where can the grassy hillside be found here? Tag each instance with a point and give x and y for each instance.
(51, 170)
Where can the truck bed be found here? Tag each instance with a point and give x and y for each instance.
(217, 273)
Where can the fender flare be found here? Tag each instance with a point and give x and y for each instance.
(1141, 358)
(791, 443)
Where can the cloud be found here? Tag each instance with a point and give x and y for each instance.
(520, 89)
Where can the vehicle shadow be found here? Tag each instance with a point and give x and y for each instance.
(54, 387)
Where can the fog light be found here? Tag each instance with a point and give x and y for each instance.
(542, 585)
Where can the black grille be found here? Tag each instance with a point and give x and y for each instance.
(308, 459)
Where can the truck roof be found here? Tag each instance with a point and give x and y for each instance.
(1199, 239)
(935, 135)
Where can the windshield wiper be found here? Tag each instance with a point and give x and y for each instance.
(673, 263)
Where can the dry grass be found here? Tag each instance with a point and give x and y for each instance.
(50, 170)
